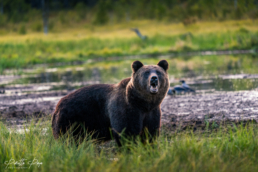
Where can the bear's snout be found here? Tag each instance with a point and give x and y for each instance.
(154, 81)
(154, 84)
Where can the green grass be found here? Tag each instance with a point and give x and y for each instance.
(227, 149)
(18, 51)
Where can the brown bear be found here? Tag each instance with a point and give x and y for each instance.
(106, 110)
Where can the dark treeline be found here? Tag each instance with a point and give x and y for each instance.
(104, 11)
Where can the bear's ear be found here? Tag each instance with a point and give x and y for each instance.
(163, 64)
(136, 65)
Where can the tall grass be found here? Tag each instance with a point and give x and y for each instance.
(228, 149)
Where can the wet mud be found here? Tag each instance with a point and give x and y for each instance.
(181, 111)
(198, 111)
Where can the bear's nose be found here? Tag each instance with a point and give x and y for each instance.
(154, 78)
(154, 81)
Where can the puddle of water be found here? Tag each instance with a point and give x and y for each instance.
(209, 74)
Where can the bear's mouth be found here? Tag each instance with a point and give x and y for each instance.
(154, 88)
(154, 84)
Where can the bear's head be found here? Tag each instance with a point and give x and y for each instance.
(150, 79)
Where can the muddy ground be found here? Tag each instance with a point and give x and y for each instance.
(181, 111)
(213, 109)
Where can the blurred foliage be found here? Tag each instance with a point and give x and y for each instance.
(36, 51)
(22, 30)
(110, 11)
(102, 12)
(37, 27)
(87, 38)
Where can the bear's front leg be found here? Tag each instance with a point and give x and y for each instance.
(151, 125)
(127, 126)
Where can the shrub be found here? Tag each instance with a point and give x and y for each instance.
(243, 30)
(62, 18)
(254, 41)
(51, 25)
(102, 13)
(80, 9)
(3, 20)
(22, 30)
(189, 20)
(37, 27)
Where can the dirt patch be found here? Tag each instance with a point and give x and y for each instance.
(180, 111)
(213, 109)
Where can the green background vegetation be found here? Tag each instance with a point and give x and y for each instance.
(116, 11)
(79, 30)
(81, 44)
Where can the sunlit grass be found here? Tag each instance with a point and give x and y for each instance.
(78, 31)
(80, 44)
(226, 149)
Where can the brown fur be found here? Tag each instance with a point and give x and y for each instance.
(127, 106)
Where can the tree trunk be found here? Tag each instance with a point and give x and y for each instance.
(44, 16)
(1, 7)
(127, 14)
(66, 3)
(235, 4)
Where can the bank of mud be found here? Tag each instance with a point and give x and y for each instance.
(198, 111)
(179, 112)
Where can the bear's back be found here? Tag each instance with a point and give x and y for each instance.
(90, 99)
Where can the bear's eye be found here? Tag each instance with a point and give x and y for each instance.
(158, 73)
(146, 74)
